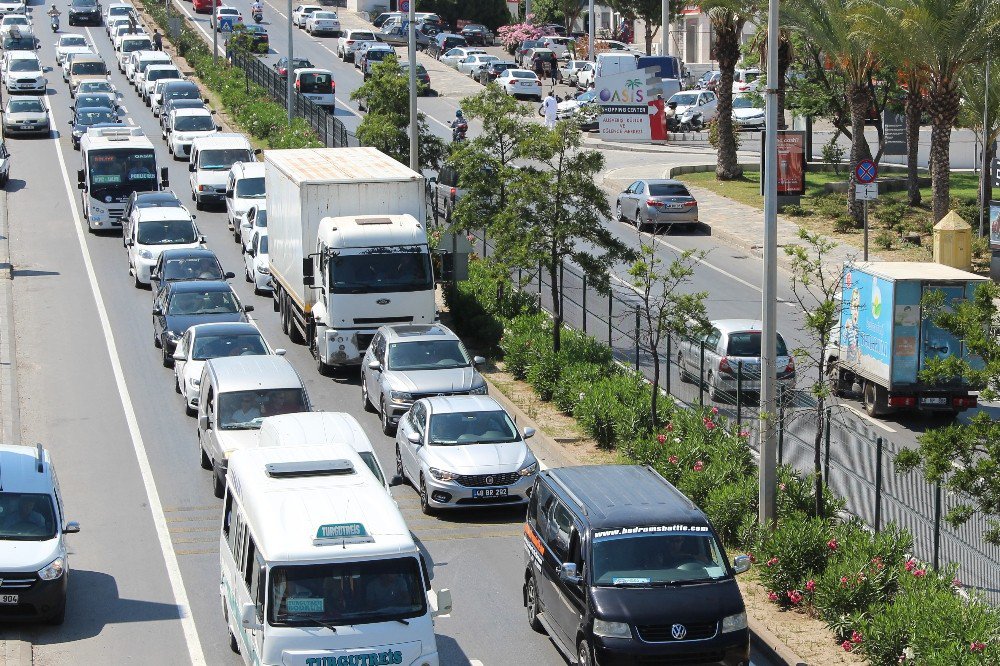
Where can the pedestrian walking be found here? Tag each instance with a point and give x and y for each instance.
(131, 24)
(549, 106)
(157, 40)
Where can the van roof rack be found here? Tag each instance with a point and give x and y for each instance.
(304, 468)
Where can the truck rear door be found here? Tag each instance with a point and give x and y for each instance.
(935, 342)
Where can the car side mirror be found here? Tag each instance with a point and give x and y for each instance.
(247, 308)
(248, 617)
(179, 356)
(229, 194)
(374, 365)
(442, 603)
(129, 242)
(413, 438)
(252, 252)
(191, 167)
(218, 128)
(396, 480)
(207, 101)
(567, 573)
(741, 563)
(72, 527)
(478, 360)
(157, 312)
(529, 432)
(155, 277)
(204, 423)
(257, 151)
(201, 239)
(229, 275)
(280, 352)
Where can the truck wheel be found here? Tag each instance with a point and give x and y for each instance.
(283, 305)
(876, 399)
(294, 334)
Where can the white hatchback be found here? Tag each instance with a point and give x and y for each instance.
(521, 83)
(473, 63)
(186, 125)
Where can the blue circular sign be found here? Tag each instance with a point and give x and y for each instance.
(404, 5)
(866, 172)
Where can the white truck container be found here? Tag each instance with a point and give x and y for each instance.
(348, 248)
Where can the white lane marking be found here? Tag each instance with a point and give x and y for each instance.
(475, 662)
(195, 653)
(869, 419)
(712, 266)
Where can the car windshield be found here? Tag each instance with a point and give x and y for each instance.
(223, 159)
(383, 269)
(203, 303)
(166, 232)
(180, 92)
(84, 3)
(95, 86)
(73, 40)
(684, 99)
(325, 15)
(95, 68)
(228, 11)
(14, 20)
(427, 355)
(26, 517)
(244, 410)
(360, 36)
(130, 45)
(25, 65)
(750, 77)
(747, 343)
(743, 102)
(194, 123)
(262, 245)
(158, 74)
(25, 106)
(94, 101)
(119, 11)
(458, 428)
(664, 555)
(208, 346)
(250, 188)
(88, 117)
(668, 190)
(192, 268)
(520, 74)
(318, 83)
(369, 459)
(346, 593)
(19, 43)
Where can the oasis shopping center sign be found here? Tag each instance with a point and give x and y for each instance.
(625, 108)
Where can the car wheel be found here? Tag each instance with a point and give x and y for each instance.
(177, 385)
(168, 360)
(206, 462)
(58, 617)
(618, 212)
(366, 400)
(532, 604)
(218, 487)
(425, 507)
(156, 341)
(233, 643)
(638, 220)
(246, 273)
(387, 427)
(714, 392)
(399, 464)
(584, 656)
(685, 377)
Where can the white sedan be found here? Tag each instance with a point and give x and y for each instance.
(473, 63)
(323, 22)
(70, 43)
(226, 16)
(24, 74)
(256, 264)
(186, 125)
(302, 12)
(696, 101)
(15, 23)
(748, 112)
(521, 83)
(453, 56)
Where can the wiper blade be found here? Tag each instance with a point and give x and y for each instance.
(309, 618)
(692, 581)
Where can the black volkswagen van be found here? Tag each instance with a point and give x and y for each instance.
(622, 568)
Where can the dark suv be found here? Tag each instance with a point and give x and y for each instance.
(85, 12)
(492, 70)
(477, 34)
(443, 42)
(622, 568)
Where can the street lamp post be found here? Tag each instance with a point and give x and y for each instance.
(289, 71)
(984, 172)
(411, 54)
(591, 33)
(215, 37)
(769, 334)
(665, 28)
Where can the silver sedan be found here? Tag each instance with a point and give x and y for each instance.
(25, 115)
(464, 451)
(656, 202)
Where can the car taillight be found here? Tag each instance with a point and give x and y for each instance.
(654, 203)
(452, 193)
(902, 401)
(690, 203)
(350, 41)
(296, 85)
(791, 365)
(969, 401)
(724, 367)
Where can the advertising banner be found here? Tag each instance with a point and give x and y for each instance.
(627, 110)
(791, 163)
(995, 225)
(866, 322)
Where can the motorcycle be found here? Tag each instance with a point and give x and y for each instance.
(692, 122)
(458, 130)
(258, 16)
(54, 22)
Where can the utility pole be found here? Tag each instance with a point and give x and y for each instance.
(289, 83)
(591, 32)
(411, 54)
(769, 333)
(665, 29)
(215, 36)
(984, 171)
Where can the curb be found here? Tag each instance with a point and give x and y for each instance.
(766, 642)
(11, 430)
(15, 651)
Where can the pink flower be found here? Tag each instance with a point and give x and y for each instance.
(673, 460)
(910, 565)
(782, 486)
(877, 561)
(698, 466)
(843, 581)
(811, 586)
(670, 427)
(771, 562)
(855, 637)
(662, 439)
(794, 596)
(753, 560)
(832, 544)
(744, 434)
(919, 573)
(847, 645)
(772, 596)
(955, 582)
(715, 410)
(709, 425)
(977, 646)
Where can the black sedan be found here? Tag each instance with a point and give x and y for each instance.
(94, 101)
(85, 12)
(281, 65)
(258, 35)
(423, 78)
(492, 70)
(476, 33)
(182, 304)
(186, 265)
(88, 117)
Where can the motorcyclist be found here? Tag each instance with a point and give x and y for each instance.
(54, 15)
(459, 125)
(257, 8)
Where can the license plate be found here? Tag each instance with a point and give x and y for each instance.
(674, 206)
(9, 599)
(489, 492)
(526, 85)
(934, 401)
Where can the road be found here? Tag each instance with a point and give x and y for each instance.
(145, 567)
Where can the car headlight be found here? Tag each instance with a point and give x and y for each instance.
(263, 270)
(612, 629)
(401, 395)
(442, 475)
(53, 569)
(145, 254)
(529, 470)
(734, 623)
(479, 390)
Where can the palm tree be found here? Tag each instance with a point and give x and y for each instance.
(828, 25)
(971, 90)
(727, 18)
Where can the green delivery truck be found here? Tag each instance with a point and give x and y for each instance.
(884, 339)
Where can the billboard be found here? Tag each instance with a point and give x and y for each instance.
(995, 225)
(626, 111)
(791, 163)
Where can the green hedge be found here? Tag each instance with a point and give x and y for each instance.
(878, 600)
(247, 103)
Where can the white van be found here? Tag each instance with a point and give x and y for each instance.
(609, 64)
(245, 188)
(211, 159)
(318, 566)
(333, 429)
(236, 393)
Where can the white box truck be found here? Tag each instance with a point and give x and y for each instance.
(348, 248)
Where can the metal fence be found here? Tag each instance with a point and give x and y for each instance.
(857, 457)
(331, 132)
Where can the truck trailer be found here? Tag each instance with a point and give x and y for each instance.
(885, 339)
(348, 248)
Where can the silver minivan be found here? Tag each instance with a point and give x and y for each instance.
(236, 394)
(732, 358)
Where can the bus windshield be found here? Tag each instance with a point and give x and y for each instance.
(346, 593)
(384, 269)
(117, 172)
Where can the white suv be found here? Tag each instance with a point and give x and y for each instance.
(33, 550)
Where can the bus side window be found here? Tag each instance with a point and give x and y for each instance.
(227, 515)
(249, 570)
(256, 586)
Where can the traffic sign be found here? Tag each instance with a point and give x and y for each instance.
(866, 192)
(866, 172)
(404, 5)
